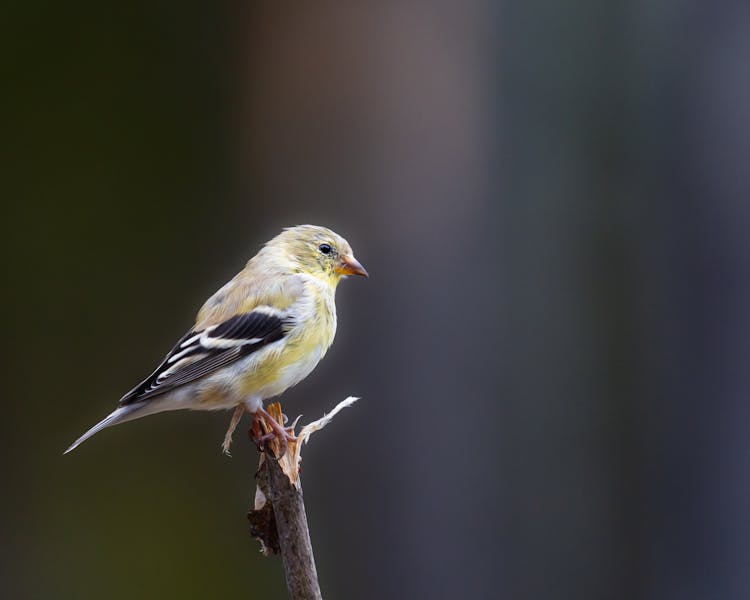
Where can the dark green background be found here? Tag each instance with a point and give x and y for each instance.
(552, 201)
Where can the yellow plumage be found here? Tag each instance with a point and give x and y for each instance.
(258, 335)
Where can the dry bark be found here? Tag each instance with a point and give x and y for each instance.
(279, 520)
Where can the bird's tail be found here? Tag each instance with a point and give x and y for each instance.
(122, 414)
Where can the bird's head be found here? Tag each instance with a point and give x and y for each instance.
(317, 251)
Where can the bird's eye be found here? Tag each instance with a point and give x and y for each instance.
(325, 248)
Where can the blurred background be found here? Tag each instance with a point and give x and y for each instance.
(553, 202)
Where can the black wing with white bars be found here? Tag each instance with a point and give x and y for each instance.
(199, 353)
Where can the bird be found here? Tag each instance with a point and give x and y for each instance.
(261, 333)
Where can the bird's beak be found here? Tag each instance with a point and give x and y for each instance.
(348, 265)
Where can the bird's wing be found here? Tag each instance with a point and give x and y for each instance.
(200, 352)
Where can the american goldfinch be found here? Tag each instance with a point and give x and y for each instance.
(261, 333)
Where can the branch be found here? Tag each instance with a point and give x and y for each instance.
(279, 520)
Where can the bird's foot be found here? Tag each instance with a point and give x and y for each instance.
(236, 416)
(276, 431)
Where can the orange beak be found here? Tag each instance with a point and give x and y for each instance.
(348, 265)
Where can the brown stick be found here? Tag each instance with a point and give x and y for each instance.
(292, 531)
(279, 520)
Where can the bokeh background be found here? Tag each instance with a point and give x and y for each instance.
(553, 201)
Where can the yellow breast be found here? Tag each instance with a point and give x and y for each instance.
(291, 359)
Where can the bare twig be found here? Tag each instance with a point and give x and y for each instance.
(279, 520)
(292, 534)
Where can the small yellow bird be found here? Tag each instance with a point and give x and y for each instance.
(261, 333)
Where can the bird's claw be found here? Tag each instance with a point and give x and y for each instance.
(261, 443)
(283, 434)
